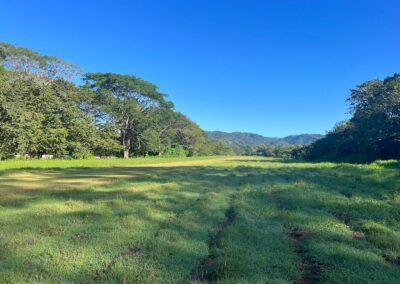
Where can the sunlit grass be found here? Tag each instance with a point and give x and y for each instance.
(111, 162)
(150, 220)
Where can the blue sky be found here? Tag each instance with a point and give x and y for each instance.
(270, 67)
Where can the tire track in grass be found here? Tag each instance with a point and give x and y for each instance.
(134, 249)
(311, 270)
(346, 219)
(360, 235)
(393, 261)
(255, 248)
(206, 271)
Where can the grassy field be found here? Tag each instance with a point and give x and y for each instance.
(228, 220)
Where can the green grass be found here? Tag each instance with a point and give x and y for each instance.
(112, 162)
(174, 220)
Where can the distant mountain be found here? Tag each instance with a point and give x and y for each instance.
(301, 139)
(240, 139)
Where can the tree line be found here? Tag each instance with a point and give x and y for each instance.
(373, 131)
(269, 150)
(44, 111)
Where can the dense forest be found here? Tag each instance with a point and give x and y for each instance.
(373, 131)
(50, 107)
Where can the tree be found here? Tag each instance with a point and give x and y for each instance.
(373, 131)
(163, 121)
(126, 101)
(37, 119)
(43, 111)
(190, 136)
(26, 62)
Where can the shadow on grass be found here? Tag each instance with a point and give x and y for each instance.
(169, 212)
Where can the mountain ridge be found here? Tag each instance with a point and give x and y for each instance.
(243, 139)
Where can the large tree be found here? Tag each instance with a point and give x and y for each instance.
(43, 111)
(373, 132)
(37, 119)
(29, 63)
(126, 101)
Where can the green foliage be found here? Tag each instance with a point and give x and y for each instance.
(41, 119)
(42, 113)
(243, 139)
(277, 151)
(374, 130)
(220, 148)
(27, 62)
(128, 102)
(176, 151)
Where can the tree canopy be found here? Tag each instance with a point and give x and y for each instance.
(373, 131)
(28, 62)
(43, 112)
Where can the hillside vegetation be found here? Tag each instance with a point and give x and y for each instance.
(229, 220)
(243, 139)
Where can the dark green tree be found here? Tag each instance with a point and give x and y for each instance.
(127, 102)
(37, 119)
(373, 131)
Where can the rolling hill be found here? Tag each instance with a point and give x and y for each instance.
(241, 139)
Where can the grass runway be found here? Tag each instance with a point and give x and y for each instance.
(180, 220)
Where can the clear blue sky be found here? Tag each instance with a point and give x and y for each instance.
(270, 67)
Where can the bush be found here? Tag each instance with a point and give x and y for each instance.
(175, 151)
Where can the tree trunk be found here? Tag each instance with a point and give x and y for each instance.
(127, 145)
(159, 147)
(126, 152)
